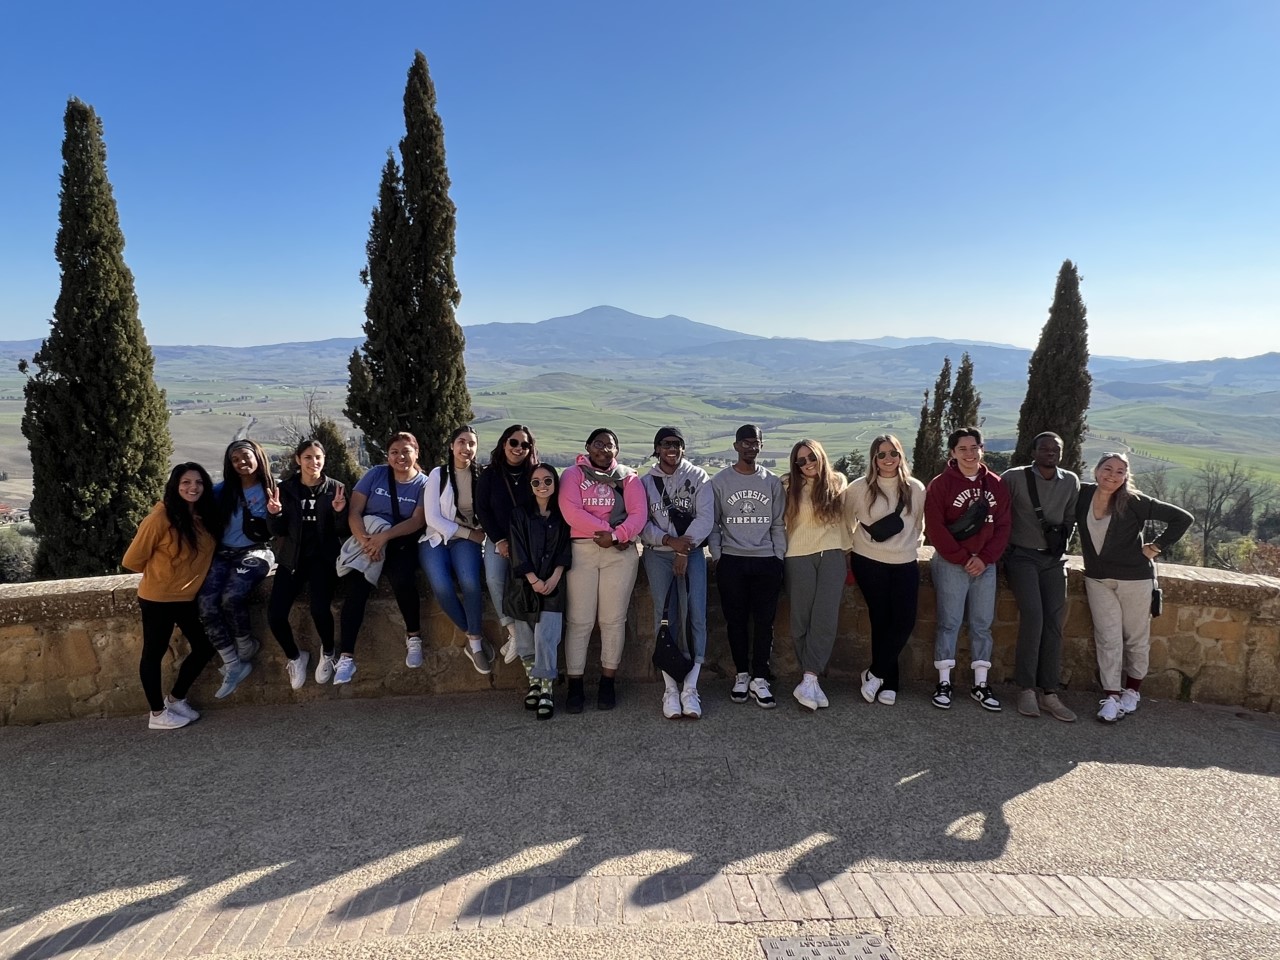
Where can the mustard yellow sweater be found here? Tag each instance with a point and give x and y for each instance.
(171, 570)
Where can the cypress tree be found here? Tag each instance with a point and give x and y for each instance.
(962, 411)
(1058, 379)
(410, 374)
(923, 454)
(929, 458)
(95, 421)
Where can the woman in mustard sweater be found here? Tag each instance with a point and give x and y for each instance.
(817, 540)
(172, 550)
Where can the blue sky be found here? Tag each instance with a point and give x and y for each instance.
(821, 169)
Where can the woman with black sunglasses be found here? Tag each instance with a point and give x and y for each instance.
(886, 511)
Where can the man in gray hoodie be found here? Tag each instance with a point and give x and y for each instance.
(747, 546)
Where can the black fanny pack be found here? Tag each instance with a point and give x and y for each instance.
(888, 526)
(974, 516)
(255, 528)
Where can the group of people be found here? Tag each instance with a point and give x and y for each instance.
(559, 555)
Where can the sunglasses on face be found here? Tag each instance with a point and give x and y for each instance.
(515, 444)
(544, 482)
(671, 445)
(886, 454)
(811, 458)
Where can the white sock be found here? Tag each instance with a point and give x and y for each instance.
(345, 656)
(670, 682)
(979, 676)
(477, 643)
(944, 674)
(691, 678)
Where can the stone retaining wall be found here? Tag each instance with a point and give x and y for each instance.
(70, 648)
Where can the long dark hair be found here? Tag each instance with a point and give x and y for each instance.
(182, 515)
(474, 467)
(230, 495)
(498, 455)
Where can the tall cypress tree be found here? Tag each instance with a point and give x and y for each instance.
(95, 421)
(962, 411)
(928, 459)
(1058, 379)
(922, 454)
(410, 374)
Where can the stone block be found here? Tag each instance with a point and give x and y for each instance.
(1218, 685)
(1263, 672)
(1163, 685)
(1166, 625)
(1186, 654)
(1262, 702)
(1223, 629)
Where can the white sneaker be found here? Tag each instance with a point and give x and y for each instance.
(324, 667)
(871, 685)
(297, 670)
(759, 691)
(182, 708)
(413, 652)
(887, 697)
(1129, 700)
(805, 695)
(691, 703)
(508, 651)
(818, 695)
(1110, 711)
(166, 719)
(345, 670)
(739, 692)
(671, 703)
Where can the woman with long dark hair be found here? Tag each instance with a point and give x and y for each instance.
(451, 548)
(502, 489)
(885, 509)
(541, 551)
(308, 515)
(815, 567)
(242, 561)
(385, 515)
(1119, 576)
(172, 550)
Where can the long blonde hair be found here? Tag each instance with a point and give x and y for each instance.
(1119, 501)
(826, 496)
(873, 474)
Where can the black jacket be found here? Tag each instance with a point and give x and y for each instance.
(287, 525)
(1122, 557)
(501, 491)
(538, 546)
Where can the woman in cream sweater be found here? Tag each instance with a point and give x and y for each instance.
(886, 513)
(817, 539)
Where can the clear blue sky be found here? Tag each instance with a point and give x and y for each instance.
(823, 169)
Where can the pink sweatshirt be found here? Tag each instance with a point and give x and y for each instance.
(586, 505)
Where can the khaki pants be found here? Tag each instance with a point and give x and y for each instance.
(1121, 611)
(599, 586)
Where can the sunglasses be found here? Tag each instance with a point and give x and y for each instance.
(670, 445)
(515, 444)
(544, 482)
(811, 458)
(886, 454)
(604, 445)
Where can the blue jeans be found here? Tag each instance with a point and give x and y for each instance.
(952, 587)
(457, 561)
(692, 594)
(496, 567)
(223, 600)
(546, 645)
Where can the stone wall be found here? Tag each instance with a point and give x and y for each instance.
(70, 648)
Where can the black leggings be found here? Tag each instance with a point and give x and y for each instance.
(158, 620)
(318, 575)
(891, 591)
(401, 569)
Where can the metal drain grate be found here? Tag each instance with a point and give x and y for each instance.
(861, 947)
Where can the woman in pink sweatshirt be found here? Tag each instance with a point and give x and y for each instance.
(605, 507)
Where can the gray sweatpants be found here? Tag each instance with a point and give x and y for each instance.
(1121, 612)
(815, 583)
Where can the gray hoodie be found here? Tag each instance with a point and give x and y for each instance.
(749, 510)
(688, 489)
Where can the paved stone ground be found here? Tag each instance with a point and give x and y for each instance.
(459, 826)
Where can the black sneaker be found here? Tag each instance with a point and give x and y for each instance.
(985, 698)
(942, 696)
(739, 692)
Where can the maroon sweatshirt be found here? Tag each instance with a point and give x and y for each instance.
(946, 500)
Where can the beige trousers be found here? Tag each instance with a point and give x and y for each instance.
(1121, 611)
(599, 586)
